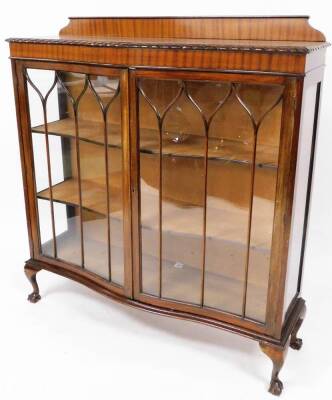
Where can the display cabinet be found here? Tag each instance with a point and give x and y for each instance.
(167, 164)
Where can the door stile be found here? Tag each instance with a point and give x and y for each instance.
(289, 137)
(127, 192)
(136, 235)
(25, 140)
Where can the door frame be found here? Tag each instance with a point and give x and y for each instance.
(283, 201)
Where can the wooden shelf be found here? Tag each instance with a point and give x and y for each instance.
(89, 131)
(227, 150)
(93, 195)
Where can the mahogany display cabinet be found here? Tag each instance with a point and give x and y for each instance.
(167, 164)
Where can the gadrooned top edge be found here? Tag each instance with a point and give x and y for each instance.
(174, 46)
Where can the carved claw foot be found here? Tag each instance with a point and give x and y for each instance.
(276, 387)
(277, 355)
(31, 273)
(296, 343)
(34, 297)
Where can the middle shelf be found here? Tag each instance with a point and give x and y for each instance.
(67, 192)
(218, 148)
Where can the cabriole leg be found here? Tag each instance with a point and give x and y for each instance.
(295, 342)
(277, 356)
(31, 273)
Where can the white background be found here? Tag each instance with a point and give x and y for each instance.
(75, 344)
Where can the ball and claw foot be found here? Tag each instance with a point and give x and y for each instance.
(31, 273)
(34, 297)
(276, 387)
(296, 343)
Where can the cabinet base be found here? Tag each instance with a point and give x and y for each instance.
(275, 349)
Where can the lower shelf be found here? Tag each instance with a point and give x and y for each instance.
(221, 292)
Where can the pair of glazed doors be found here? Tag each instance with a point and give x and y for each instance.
(161, 184)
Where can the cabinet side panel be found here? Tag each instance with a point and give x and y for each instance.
(302, 191)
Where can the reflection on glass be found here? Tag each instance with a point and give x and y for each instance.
(227, 213)
(40, 162)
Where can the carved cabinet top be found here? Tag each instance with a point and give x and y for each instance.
(193, 42)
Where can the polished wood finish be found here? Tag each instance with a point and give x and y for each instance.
(280, 52)
(192, 59)
(254, 28)
(275, 44)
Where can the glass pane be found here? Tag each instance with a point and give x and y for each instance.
(45, 227)
(115, 176)
(149, 195)
(67, 228)
(227, 218)
(94, 203)
(77, 146)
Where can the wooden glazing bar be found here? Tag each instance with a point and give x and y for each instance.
(134, 94)
(204, 211)
(160, 126)
(107, 197)
(49, 174)
(126, 183)
(78, 161)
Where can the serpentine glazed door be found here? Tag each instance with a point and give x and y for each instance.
(77, 128)
(206, 154)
